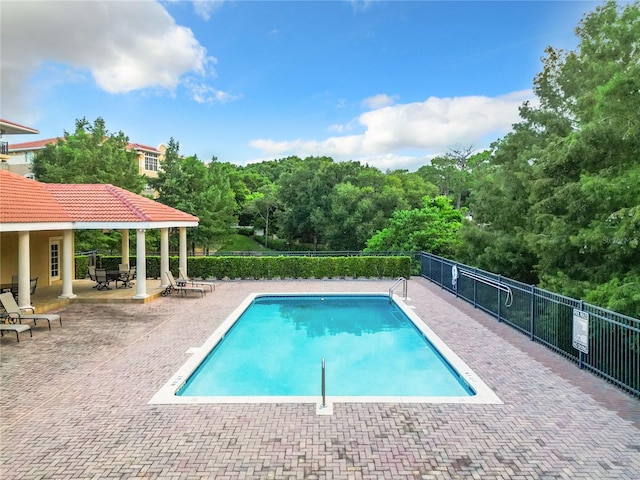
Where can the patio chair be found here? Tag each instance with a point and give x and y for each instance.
(10, 327)
(33, 283)
(194, 283)
(102, 281)
(174, 287)
(92, 274)
(15, 313)
(14, 286)
(126, 277)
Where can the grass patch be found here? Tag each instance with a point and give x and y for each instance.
(242, 243)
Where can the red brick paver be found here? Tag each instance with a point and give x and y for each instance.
(73, 405)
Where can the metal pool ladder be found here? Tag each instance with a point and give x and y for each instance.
(399, 281)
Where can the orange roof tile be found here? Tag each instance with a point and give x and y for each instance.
(138, 146)
(27, 201)
(107, 203)
(34, 145)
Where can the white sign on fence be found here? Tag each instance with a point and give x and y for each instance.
(581, 330)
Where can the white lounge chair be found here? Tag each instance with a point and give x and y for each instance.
(11, 327)
(195, 283)
(14, 312)
(174, 287)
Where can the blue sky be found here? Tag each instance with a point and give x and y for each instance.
(391, 84)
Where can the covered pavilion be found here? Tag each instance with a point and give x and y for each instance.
(37, 221)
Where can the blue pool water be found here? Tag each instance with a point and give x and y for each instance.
(371, 348)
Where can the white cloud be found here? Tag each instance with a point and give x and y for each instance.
(125, 46)
(378, 101)
(203, 93)
(204, 8)
(424, 129)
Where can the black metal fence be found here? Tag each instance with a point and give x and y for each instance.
(605, 342)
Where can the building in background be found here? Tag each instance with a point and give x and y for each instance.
(10, 128)
(19, 157)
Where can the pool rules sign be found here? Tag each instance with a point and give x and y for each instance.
(581, 330)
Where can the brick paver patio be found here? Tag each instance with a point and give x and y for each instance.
(74, 405)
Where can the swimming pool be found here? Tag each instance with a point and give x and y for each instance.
(270, 350)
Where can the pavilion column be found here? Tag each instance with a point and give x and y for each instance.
(141, 265)
(183, 250)
(24, 270)
(124, 248)
(67, 265)
(164, 257)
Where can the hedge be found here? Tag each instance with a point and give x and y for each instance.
(270, 267)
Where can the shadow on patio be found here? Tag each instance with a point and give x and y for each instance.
(46, 298)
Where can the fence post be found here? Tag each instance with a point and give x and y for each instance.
(475, 288)
(532, 314)
(499, 301)
(580, 353)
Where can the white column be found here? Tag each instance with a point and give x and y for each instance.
(67, 265)
(24, 270)
(183, 250)
(124, 248)
(141, 265)
(164, 257)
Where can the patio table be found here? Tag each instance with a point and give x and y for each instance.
(119, 276)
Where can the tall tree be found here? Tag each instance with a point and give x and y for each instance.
(452, 172)
(193, 187)
(90, 155)
(304, 195)
(561, 191)
(432, 228)
(262, 205)
(586, 199)
(356, 213)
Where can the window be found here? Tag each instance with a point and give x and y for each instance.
(54, 259)
(151, 161)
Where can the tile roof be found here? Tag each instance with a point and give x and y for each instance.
(28, 201)
(12, 128)
(138, 146)
(39, 144)
(108, 203)
(34, 145)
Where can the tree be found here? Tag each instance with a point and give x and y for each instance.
(559, 197)
(263, 204)
(356, 213)
(432, 228)
(304, 196)
(193, 187)
(90, 155)
(585, 196)
(452, 172)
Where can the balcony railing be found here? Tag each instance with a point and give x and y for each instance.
(4, 148)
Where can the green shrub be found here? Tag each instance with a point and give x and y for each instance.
(268, 267)
(82, 266)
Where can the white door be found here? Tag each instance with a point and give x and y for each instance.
(54, 259)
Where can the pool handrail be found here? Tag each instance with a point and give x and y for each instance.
(492, 283)
(399, 280)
